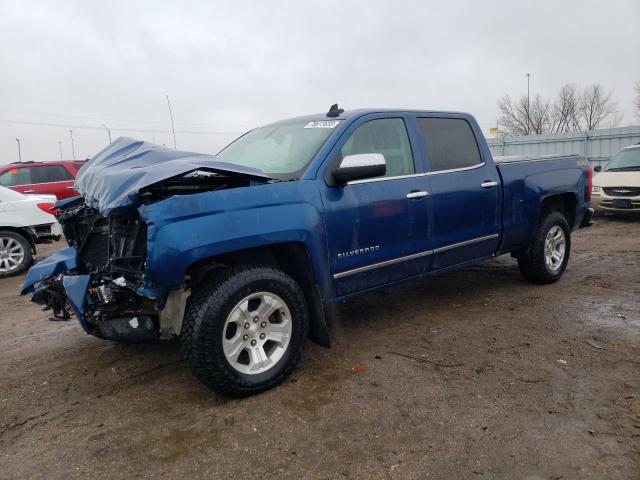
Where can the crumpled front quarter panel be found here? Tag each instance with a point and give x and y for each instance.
(56, 264)
(189, 228)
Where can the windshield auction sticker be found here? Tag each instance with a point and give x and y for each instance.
(322, 124)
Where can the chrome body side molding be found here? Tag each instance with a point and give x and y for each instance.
(405, 258)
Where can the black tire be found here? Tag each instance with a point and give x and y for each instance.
(532, 263)
(204, 326)
(6, 236)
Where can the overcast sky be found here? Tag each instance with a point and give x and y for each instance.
(229, 66)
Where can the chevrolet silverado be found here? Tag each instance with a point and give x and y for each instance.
(239, 253)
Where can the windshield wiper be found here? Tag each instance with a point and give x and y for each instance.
(622, 169)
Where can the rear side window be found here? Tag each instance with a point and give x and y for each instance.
(50, 173)
(387, 136)
(16, 177)
(450, 143)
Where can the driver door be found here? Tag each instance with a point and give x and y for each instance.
(377, 227)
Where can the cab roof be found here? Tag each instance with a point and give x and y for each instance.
(359, 112)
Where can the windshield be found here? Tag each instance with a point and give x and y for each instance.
(624, 161)
(281, 151)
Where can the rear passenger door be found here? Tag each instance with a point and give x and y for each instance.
(52, 180)
(464, 192)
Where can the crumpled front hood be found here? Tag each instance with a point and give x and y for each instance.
(114, 177)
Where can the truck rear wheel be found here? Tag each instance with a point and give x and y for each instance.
(15, 253)
(547, 256)
(245, 329)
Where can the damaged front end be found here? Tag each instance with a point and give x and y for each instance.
(103, 270)
(102, 276)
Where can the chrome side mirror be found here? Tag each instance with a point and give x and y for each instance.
(357, 167)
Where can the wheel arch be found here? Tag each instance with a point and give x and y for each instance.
(565, 203)
(23, 232)
(292, 258)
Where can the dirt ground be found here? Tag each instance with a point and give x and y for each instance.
(512, 385)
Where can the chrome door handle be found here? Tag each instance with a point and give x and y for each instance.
(488, 184)
(417, 194)
(29, 191)
(70, 188)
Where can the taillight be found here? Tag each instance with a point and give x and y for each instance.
(589, 182)
(47, 207)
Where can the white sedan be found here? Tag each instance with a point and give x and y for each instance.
(25, 220)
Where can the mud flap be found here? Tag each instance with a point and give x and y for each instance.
(318, 331)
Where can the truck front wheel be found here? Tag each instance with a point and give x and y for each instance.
(547, 256)
(245, 329)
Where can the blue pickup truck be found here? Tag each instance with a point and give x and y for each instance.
(239, 253)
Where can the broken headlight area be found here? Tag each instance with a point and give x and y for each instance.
(102, 287)
(115, 244)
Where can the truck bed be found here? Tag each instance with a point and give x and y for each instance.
(527, 179)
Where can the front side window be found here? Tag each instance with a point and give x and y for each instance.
(51, 173)
(15, 177)
(282, 150)
(387, 136)
(450, 143)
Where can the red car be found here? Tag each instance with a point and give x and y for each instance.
(40, 178)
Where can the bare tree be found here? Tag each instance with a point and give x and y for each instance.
(522, 117)
(574, 109)
(565, 110)
(636, 101)
(514, 115)
(540, 115)
(597, 109)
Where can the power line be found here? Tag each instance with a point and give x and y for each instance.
(113, 120)
(139, 130)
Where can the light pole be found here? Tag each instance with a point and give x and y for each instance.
(60, 146)
(108, 131)
(19, 152)
(528, 107)
(172, 127)
(73, 147)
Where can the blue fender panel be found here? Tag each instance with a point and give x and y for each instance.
(56, 264)
(185, 229)
(76, 289)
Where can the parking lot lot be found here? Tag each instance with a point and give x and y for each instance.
(473, 374)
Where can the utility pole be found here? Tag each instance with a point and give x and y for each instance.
(73, 147)
(19, 152)
(60, 146)
(108, 132)
(172, 127)
(528, 107)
